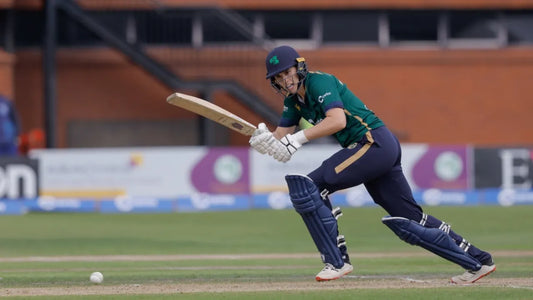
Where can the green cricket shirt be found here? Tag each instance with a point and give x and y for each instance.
(323, 92)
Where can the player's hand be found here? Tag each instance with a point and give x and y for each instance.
(262, 139)
(261, 128)
(284, 148)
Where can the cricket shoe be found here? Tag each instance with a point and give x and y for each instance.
(473, 276)
(331, 273)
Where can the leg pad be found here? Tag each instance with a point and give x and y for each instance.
(318, 218)
(431, 239)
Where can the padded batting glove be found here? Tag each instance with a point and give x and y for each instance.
(287, 146)
(262, 139)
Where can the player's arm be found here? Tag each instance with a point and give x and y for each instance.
(283, 131)
(334, 121)
(283, 148)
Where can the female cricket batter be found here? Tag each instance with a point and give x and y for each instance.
(371, 155)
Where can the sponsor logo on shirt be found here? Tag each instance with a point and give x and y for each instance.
(321, 98)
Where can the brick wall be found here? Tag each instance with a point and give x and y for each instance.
(6, 74)
(482, 97)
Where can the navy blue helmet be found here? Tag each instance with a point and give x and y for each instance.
(282, 58)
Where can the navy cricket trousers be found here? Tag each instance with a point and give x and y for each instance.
(374, 161)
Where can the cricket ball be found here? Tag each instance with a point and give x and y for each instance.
(96, 277)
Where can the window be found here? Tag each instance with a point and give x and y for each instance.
(70, 33)
(473, 25)
(287, 25)
(217, 29)
(350, 26)
(476, 29)
(519, 25)
(306, 28)
(413, 26)
(28, 28)
(169, 27)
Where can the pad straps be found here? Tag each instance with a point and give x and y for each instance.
(318, 218)
(433, 239)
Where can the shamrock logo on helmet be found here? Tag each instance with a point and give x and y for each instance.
(274, 60)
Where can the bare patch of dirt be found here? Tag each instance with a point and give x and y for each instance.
(352, 282)
(347, 282)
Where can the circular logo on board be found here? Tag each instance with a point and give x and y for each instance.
(448, 166)
(279, 200)
(123, 203)
(228, 169)
(506, 197)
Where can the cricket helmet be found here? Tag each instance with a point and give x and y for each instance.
(280, 59)
(283, 57)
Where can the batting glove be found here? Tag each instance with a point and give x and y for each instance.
(287, 146)
(262, 139)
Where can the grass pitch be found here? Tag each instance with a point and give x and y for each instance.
(262, 254)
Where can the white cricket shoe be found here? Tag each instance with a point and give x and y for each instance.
(331, 273)
(473, 276)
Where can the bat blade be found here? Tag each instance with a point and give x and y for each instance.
(212, 112)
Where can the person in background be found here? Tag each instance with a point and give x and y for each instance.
(9, 127)
(33, 139)
(370, 155)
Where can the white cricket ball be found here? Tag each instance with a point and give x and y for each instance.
(96, 277)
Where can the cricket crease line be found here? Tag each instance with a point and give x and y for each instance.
(521, 287)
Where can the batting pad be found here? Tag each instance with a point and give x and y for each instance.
(432, 239)
(318, 218)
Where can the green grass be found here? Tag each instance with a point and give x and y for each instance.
(252, 232)
(256, 231)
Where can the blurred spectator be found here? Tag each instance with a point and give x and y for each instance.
(9, 127)
(34, 139)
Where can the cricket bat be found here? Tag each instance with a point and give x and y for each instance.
(212, 112)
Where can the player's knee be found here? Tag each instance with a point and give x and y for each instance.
(303, 193)
(400, 226)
